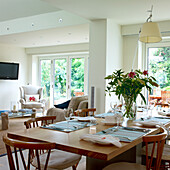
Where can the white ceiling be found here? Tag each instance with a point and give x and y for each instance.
(122, 11)
(12, 9)
(49, 37)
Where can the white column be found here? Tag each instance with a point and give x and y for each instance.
(97, 62)
(105, 48)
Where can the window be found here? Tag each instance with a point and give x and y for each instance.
(63, 77)
(159, 67)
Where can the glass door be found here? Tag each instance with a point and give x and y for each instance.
(45, 68)
(60, 80)
(77, 76)
(159, 67)
(63, 77)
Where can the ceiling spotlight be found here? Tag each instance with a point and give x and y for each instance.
(60, 20)
(7, 28)
(32, 24)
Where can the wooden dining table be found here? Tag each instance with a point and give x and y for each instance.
(97, 155)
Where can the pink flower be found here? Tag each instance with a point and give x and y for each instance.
(132, 74)
(145, 72)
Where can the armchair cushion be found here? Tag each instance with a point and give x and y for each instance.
(63, 105)
(75, 102)
(59, 113)
(83, 104)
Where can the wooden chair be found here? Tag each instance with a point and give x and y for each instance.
(85, 112)
(58, 159)
(39, 121)
(158, 140)
(19, 146)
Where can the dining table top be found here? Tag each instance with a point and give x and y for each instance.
(71, 141)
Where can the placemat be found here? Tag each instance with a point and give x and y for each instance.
(103, 115)
(162, 120)
(71, 125)
(125, 135)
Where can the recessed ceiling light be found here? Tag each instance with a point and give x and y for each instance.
(7, 28)
(32, 24)
(60, 20)
(69, 33)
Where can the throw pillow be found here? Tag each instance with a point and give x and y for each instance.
(63, 105)
(32, 98)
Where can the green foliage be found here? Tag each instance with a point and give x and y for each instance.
(160, 67)
(77, 76)
(129, 86)
(45, 77)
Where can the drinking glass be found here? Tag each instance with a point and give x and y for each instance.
(68, 114)
(119, 116)
(113, 105)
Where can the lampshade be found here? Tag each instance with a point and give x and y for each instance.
(150, 33)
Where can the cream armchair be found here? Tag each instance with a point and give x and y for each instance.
(32, 97)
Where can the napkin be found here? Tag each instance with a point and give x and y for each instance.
(85, 119)
(102, 139)
(150, 123)
(166, 113)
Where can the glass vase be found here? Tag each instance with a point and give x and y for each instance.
(130, 108)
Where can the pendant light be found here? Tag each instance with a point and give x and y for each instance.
(150, 31)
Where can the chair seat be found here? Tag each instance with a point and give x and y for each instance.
(58, 160)
(165, 154)
(33, 105)
(124, 166)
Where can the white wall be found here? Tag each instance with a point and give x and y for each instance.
(10, 88)
(114, 59)
(129, 48)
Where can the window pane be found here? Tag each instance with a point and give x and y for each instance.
(159, 67)
(60, 81)
(77, 76)
(45, 77)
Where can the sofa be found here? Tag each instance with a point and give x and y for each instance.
(76, 103)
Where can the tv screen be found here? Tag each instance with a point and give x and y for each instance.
(9, 71)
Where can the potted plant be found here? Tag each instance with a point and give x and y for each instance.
(129, 86)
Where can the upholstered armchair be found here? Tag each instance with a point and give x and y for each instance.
(76, 103)
(32, 97)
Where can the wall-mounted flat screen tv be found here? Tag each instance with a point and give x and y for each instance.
(9, 71)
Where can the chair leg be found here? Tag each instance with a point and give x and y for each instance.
(75, 166)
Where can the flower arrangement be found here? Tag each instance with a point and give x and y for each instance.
(129, 86)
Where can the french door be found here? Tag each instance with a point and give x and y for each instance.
(158, 64)
(63, 77)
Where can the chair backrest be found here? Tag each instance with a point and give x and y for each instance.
(85, 112)
(31, 146)
(31, 90)
(39, 121)
(165, 95)
(158, 145)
